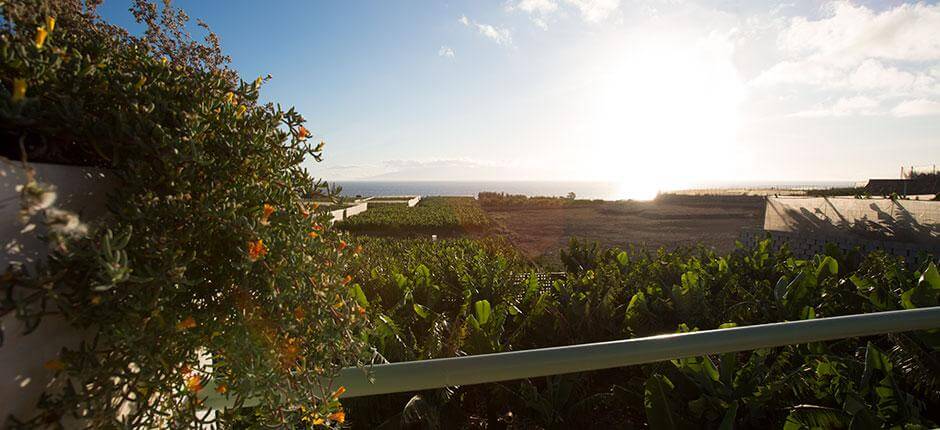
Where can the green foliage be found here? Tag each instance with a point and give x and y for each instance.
(205, 252)
(431, 215)
(505, 201)
(610, 294)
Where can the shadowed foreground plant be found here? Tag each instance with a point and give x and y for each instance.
(203, 275)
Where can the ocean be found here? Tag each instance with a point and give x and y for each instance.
(585, 190)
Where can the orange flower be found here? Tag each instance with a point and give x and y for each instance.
(362, 311)
(317, 227)
(194, 383)
(54, 365)
(342, 246)
(302, 133)
(339, 392)
(346, 280)
(221, 388)
(256, 250)
(313, 234)
(338, 416)
(186, 324)
(41, 35)
(299, 313)
(358, 249)
(266, 213)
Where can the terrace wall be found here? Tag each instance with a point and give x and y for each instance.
(807, 245)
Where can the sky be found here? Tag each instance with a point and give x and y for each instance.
(661, 93)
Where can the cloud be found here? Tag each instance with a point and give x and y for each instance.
(909, 32)
(863, 55)
(590, 10)
(446, 51)
(501, 36)
(595, 10)
(917, 107)
(539, 6)
(846, 106)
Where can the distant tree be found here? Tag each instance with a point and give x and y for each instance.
(571, 195)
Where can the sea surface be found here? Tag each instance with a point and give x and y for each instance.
(584, 190)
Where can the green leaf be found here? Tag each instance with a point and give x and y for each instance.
(727, 423)
(662, 411)
(931, 277)
(623, 259)
(421, 310)
(481, 309)
(360, 296)
(827, 264)
(815, 417)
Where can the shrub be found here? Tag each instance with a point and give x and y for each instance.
(207, 250)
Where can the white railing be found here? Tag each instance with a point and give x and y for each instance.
(479, 369)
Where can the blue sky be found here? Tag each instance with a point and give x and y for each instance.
(668, 92)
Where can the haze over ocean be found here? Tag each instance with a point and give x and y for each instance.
(586, 190)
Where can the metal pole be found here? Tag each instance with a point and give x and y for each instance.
(479, 369)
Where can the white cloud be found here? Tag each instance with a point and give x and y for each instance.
(501, 36)
(909, 32)
(540, 23)
(917, 107)
(861, 54)
(446, 51)
(540, 6)
(590, 10)
(595, 10)
(846, 106)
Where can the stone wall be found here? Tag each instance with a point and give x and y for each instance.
(805, 245)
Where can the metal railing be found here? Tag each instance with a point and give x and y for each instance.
(479, 369)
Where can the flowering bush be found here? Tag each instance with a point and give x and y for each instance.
(208, 275)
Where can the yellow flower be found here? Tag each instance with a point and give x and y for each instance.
(230, 97)
(54, 365)
(317, 421)
(266, 213)
(256, 250)
(40, 38)
(19, 89)
(164, 60)
(50, 23)
(140, 83)
(258, 82)
(338, 416)
(186, 324)
(241, 110)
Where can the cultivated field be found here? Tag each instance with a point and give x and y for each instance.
(714, 221)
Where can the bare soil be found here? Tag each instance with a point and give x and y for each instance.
(713, 221)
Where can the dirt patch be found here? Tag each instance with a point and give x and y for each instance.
(542, 232)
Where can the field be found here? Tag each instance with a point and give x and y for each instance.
(541, 230)
(433, 215)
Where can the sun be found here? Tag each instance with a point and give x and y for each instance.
(663, 116)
